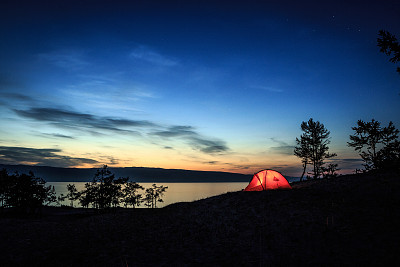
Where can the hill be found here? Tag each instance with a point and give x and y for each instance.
(350, 220)
(137, 174)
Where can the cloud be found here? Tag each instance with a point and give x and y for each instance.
(212, 162)
(129, 123)
(268, 88)
(175, 131)
(347, 163)
(208, 146)
(236, 166)
(17, 96)
(109, 85)
(194, 139)
(93, 124)
(59, 135)
(109, 160)
(68, 118)
(282, 148)
(45, 157)
(288, 170)
(146, 54)
(10, 98)
(66, 59)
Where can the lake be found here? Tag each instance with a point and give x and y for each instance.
(176, 192)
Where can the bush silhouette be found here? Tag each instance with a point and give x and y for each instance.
(25, 192)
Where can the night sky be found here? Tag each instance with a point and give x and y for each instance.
(204, 85)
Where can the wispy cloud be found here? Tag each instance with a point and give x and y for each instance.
(146, 54)
(208, 146)
(9, 98)
(176, 131)
(16, 96)
(282, 147)
(285, 169)
(348, 163)
(69, 59)
(46, 157)
(78, 120)
(211, 162)
(57, 135)
(112, 92)
(109, 85)
(68, 119)
(268, 88)
(109, 160)
(194, 139)
(238, 166)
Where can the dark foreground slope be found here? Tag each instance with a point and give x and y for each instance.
(350, 220)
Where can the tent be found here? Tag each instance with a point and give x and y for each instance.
(266, 180)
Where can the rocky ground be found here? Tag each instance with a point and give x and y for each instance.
(349, 220)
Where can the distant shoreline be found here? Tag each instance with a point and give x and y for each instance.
(160, 181)
(137, 174)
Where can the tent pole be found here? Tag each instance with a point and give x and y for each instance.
(260, 182)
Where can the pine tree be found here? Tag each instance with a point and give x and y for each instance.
(390, 46)
(378, 146)
(303, 151)
(72, 193)
(130, 194)
(312, 147)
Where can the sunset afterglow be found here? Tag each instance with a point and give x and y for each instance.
(190, 86)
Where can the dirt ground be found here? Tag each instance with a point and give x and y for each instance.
(349, 220)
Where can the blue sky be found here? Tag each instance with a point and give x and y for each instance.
(206, 85)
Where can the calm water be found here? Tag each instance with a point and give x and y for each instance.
(176, 192)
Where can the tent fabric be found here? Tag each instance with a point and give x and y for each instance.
(267, 180)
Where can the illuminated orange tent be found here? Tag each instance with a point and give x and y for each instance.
(266, 180)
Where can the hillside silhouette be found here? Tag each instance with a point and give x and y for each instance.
(137, 174)
(348, 220)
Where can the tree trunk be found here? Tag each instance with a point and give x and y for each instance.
(304, 170)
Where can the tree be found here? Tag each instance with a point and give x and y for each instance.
(378, 146)
(389, 156)
(330, 170)
(103, 182)
(153, 195)
(130, 196)
(51, 196)
(303, 151)
(389, 45)
(104, 191)
(159, 192)
(312, 147)
(26, 192)
(73, 193)
(87, 195)
(148, 198)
